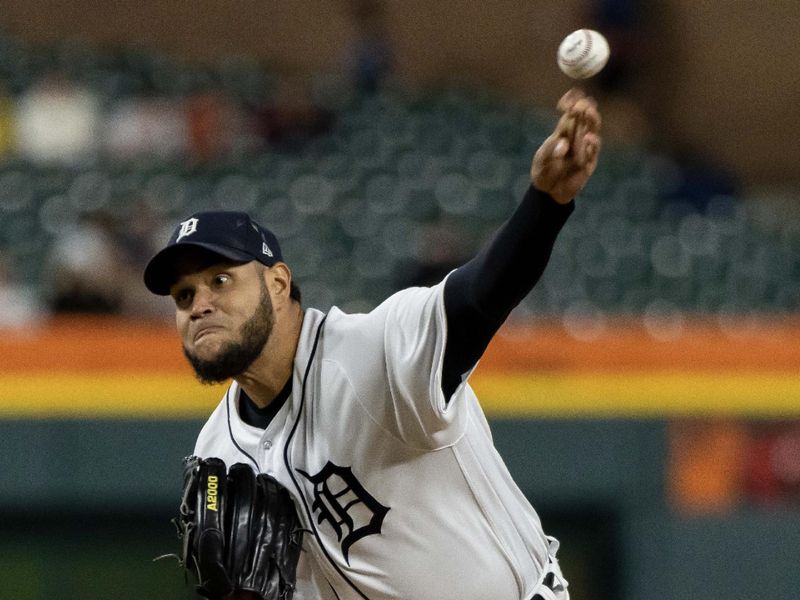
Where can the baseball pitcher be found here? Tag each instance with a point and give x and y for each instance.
(364, 425)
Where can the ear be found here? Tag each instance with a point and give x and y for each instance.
(278, 278)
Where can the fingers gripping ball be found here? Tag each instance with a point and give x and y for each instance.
(583, 53)
(240, 531)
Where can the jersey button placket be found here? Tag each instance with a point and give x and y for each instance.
(266, 444)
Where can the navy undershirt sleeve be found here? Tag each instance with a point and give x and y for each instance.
(479, 295)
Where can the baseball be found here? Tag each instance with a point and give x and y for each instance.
(583, 53)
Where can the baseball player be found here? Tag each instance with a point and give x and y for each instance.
(368, 419)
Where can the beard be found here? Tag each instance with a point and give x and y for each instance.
(236, 357)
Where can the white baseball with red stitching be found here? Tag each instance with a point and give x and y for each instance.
(583, 53)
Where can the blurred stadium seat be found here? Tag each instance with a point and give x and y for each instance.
(351, 198)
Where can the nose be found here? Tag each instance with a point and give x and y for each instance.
(203, 302)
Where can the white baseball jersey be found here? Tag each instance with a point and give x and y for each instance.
(402, 493)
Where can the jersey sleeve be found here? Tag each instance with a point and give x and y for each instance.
(415, 336)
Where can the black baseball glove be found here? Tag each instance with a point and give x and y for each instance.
(240, 531)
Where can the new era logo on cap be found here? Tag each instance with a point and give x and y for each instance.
(232, 235)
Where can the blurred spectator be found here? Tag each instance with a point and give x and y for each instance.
(623, 23)
(139, 237)
(628, 117)
(370, 58)
(57, 122)
(625, 123)
(146, 128)
(83, 268)
(6, 122)
(292, 117)
(21, 306)
(441, 248)
(214, 125)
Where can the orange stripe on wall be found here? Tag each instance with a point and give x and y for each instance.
(93, 344)
(110, 345)
(625, 345)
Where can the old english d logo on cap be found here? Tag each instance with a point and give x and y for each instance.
(188, 227)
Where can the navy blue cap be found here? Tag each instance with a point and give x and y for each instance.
(232, 235)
